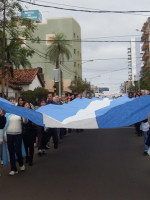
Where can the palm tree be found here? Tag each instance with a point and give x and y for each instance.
(58, 51)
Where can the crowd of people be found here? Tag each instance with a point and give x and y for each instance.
(22, 135)
(142, 128)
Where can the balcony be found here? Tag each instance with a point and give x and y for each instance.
(145, 46)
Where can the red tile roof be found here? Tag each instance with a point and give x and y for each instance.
(24, 77)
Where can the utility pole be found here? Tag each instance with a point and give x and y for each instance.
(59, 79)
(3, 51)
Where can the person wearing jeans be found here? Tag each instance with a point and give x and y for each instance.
(14, 143)
(13, 136)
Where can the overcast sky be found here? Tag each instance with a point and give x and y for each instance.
(103, 73)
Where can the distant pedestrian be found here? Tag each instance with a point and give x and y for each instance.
(41, 134)
(28, 134)
(145, 129)
(50, 99)
(20, 101)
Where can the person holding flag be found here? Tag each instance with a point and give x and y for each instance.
(2, 125)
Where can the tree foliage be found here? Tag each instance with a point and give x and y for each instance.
(145, 80)
(79, 86)
(37, 93)
(17, 32)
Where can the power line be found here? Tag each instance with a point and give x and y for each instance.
(35, 51)
(113, 36)
(77, 6)
(87, 11)
(66, 5)
(109, 72)
(71, 71)
(67, 70)
(91, 60)
(86, 41)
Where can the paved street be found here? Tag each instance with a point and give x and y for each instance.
(92, 165)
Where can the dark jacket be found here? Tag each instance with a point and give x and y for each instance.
(28, 131)
(50, 102)
(2, 121)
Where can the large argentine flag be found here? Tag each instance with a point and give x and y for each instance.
(86, 113)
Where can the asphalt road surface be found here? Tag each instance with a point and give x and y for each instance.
(92, 165)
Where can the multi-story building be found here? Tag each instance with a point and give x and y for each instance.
(72, 68)
(134, 60)
(146, 45)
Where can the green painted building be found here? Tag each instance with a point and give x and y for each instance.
(71, 69)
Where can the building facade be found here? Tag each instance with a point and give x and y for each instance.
(71, 69)
(134, 60)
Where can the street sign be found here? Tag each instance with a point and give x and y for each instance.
(34, 15)
(103, 89)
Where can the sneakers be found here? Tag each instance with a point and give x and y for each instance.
(22, 168)
(47, 146)
(12, 173)
(43, 151)
(39, 152)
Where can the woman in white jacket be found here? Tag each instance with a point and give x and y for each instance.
(14, 141)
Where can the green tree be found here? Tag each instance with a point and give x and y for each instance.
(58, 51)
(37, 93)
(17, 32)
(79, 86)
(145, 80)
(40, 93)
(29, 96)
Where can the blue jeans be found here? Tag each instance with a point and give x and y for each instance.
(145, 133)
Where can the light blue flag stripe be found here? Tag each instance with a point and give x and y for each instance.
(125, 114)
(118, 112)
(30, 114)
(61, 112)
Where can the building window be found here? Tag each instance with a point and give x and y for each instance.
(74, 51)
(74, 35)
(74, 64)
(50, 38)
